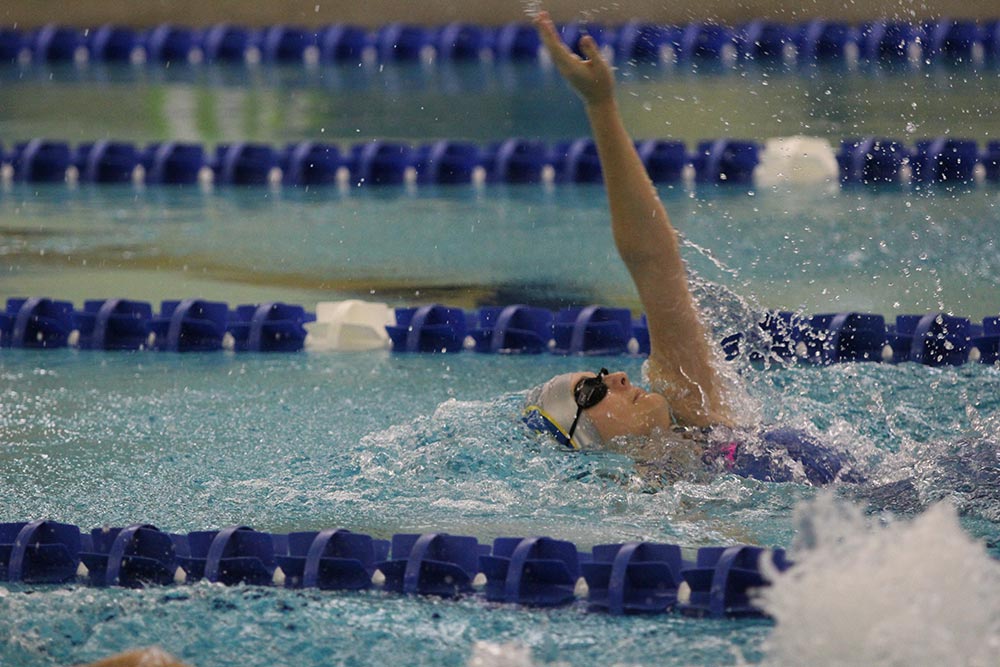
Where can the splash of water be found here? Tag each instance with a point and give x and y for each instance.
(531, 7)
(490, 654)
(911, 593)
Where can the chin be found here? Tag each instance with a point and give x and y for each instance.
(653, 402)
(656, 410)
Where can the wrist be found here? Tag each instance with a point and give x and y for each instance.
(602, 105)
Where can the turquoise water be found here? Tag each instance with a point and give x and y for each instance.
(805, 248)
(489, 101)
(382, 444)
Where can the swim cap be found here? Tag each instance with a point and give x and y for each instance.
(551, 407)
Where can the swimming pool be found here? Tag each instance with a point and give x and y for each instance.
(383, 444)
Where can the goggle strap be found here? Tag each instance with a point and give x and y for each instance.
(576, 419)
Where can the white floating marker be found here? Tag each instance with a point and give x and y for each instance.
(797, 160)
(350, 325)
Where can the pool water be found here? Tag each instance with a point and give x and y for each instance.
(812, 249)
(486, 102)
(383, 443)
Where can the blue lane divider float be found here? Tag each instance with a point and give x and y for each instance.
(113, 324)
(268, 327)
(513, 329)
(634, 578)
(627, 578)
(934, 339)
(577, 162)
(432, 564)
(54, 43)
(432, 328)
(449, 162)
(828, 338)
(877, 160)
(225, 43)
(40, 161)
(949, 40)
(889, 42)
(285, 43)
(190, 325)
(311, 163)
(233, 555)
(665, 160)
(722, 577)
(595, 330)
(113, 44)
(245, 163)
(533, 571)
(990, 159)
(518, 161)
(131, 557)
(168, 43)
(930, 339)
(871, 160)
(463, 41)
(382, 163)
(331, 559)
(882, 41)
(39, 552)
(820, 40)
(765, 41)
(726, 161)
(707, 42)
(944, 159)
(173, 163)
(402, 42)
(644, 42)
(842, 337)
(36, 323)
(196, 325)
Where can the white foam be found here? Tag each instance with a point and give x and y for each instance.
(913, 593)
(488, 654)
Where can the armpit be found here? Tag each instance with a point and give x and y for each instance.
(690, 404)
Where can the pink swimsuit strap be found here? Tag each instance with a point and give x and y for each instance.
(727, 452)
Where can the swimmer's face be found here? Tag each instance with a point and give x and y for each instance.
(627, 409)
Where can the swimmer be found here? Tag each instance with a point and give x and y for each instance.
(686, 417)
(147, 657)
(688, 391)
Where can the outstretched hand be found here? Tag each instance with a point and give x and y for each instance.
(592, 78)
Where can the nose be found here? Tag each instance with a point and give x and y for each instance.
(617, 380)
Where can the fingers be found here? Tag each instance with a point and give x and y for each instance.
(560, 53)
(589, 48)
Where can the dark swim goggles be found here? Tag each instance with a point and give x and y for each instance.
(587, 393)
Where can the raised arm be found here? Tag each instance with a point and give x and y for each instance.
(680, 360)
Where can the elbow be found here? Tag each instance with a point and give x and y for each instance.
(661, 251)
(643, 239)
(638, 256)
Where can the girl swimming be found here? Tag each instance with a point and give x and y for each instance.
(686, 418)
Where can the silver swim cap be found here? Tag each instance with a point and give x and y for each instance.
(551, 408)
